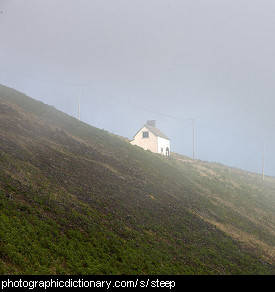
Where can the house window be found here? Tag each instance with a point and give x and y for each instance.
(145, 134)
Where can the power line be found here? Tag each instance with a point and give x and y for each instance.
(46, 80)
(133, 105)
(136, 106)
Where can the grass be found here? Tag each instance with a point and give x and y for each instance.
(78, 200)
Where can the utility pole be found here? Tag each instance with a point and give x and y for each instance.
(193, 139)
(79, 95)
(263, 157)
(193, 121)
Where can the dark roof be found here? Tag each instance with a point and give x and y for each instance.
(155, 131)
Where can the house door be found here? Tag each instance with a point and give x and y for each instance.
(167, 151)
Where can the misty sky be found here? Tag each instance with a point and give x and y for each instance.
(137, 60)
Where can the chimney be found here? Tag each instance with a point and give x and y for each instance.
(151, 123)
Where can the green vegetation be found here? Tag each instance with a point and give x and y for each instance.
(78, 200)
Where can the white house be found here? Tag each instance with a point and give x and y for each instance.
(151, 138)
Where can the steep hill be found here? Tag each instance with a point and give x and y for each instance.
(78, 200)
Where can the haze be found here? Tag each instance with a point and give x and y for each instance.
(139, 60)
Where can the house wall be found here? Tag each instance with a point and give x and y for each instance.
(163, 143)
(150, 143)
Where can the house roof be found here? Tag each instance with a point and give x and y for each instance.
(155, 131)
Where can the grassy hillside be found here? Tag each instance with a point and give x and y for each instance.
(78, 200)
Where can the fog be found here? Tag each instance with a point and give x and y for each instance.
(137, 60)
